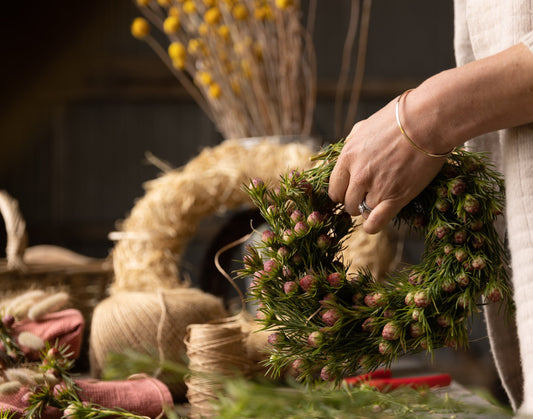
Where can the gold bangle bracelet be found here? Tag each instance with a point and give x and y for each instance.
(426, 153)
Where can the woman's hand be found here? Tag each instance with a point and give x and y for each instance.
(379, 166)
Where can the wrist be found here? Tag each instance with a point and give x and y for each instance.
(429, 120)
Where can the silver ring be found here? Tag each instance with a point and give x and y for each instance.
(363, 207)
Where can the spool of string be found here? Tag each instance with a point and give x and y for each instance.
(152, 323)
(215, 351)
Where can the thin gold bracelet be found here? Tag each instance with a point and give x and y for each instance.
(426, 153)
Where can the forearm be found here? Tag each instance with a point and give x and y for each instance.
(483, 96)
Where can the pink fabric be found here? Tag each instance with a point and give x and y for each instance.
(145, 396)
(65, 326)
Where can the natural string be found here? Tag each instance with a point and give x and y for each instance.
(224, 273)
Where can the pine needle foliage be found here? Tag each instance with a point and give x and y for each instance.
(327, 324)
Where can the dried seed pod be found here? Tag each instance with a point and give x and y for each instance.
(48, 305)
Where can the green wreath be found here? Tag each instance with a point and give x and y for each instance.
(332, 324)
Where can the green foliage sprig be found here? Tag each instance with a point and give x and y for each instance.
(329, 324)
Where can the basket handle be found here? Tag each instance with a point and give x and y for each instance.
(17, 239)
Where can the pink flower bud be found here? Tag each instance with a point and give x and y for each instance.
(374, 300)
(334, 279)
(325, 374)
(324, 242)
(462, 279)
(461, 255)
(442, 205)
(257, 183)
(290, 287)
(409, 298)
(296, 216)
(301, 228)
(476, 225)
(287, 271)
(460, 237)
(415, 315)
(421, 299)
(283, 252)
(385, 348)
(416, 330)
(448, 285)
(268, 237)
(272, 210)
(390, 331)
(493, 294)
(308, 283)
(297, 365)
(448, 249)
(315, 339)
(315, 218)
(441, 232)
(288, 236)
(368, 325)
(8, 320)
(274, 338)
(478, 263)
(443, 321)
(471, 205)
(330, 317)
(270, 265)
(388, 314)
(457, 186)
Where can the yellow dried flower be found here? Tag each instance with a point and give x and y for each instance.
(212, 16)
(204, 78)
(164, 3)
(173, 11)
(140, 28)
(246, 69)
(189, 6)
(179, 63)
(258, 51)
(171, 24)
(203, 29)
(223, 31)
(236, 87)
(214, 91)
(143, 3)
(263, 13)
(195, 46)
(210, 3)
(176, 50)
(240, 12)
(284, 4)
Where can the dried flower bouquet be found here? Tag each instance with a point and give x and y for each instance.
(249, 64)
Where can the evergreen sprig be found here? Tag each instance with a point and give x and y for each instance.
(328, 323)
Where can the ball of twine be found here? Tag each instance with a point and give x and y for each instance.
(215, 351)
(150, 323)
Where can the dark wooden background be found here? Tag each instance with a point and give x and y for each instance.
(82, 101)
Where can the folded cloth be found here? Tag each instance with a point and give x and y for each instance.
(142, 395)
(65, 327)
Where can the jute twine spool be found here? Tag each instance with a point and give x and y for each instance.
(150, 323)
(214, 351)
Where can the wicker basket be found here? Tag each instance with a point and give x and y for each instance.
(49, 267)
